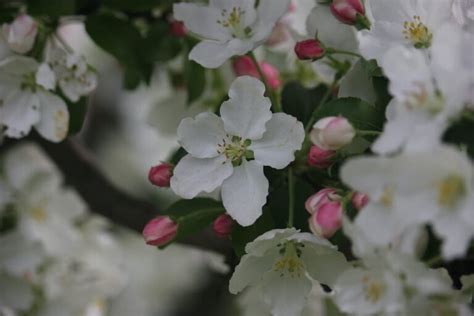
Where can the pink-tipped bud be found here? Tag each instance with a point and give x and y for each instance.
(20, 35)
(160, 175)
(244, 66)
(359, 200)
(321, 197)
(309, 49)
(320, 158)
(223, 226)
(160, 231)
(332, 133)
(178, 29)
(346, 11)
(327, 220)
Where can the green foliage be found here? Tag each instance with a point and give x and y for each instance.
(300, 101)
(195, 80)
(77, 114)
(159, 45)
(194, 215)
(51, 8)
(460, 133)
(135, 5)
(362, 115)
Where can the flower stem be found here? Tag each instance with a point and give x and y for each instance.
(324, 99)
(368, 133)
(271, 93)
(291, 197)
(341, 52)
(434, 261)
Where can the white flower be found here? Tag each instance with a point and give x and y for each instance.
(414, 189)
(283, 263)
(428, 91)
(408, 22)
(26, 100)
(463, 12)
(20, 35)
(74, 75)
(229, 28)
(221, 148)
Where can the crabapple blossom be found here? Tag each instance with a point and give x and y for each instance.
(231, 150)
(309, 49)
(244, 66)
(282, 263)
(223, 225)
(228, 28)
(359, 200)
(26, 100)
(327, 219)
(178, 29)
(160, 175)
(321, 197)
(320, 158)
(160, 231)
(332, 133)
(20, 35)
(347, 11)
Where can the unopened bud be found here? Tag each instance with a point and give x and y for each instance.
(359, 200)
(327, 220)
(309, 49)
(244, 66)
(347, 11)
(320, 158)
(178, 29)
(20, 35)
(332, 133)
(160, 231)
(223, 226)
(160, 175)
(323, 196)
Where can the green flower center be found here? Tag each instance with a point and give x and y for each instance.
(422, 100)
(235, 149)
(417, 33)
(290, 263)
(233, 21)
(450, 190)
(374, 289)
(28, 82)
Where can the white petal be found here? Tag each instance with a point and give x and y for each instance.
(19, 111)
(283, 136)
(201, 20)
(269, 11)
(16, 293)
(286, 295)
(200, 136)
(20, 256)
(245, 193)
(211, 54)
(357, 84)
(247, 110)
(193, 175)
(250, 270)
(54, 122)
(45, 77)
(269, 240)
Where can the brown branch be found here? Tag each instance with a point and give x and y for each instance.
(102, 197)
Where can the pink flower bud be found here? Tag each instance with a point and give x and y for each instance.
(320, 158)
(346, 11)
(244, 66)
(160, 231)
(223, 226)
(160, 175)
(359, 200)
(178, 29)
(327, 220)
(323, 196)
(20, 34)
(332, 133)
(309, 49)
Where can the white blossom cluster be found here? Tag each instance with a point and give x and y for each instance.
(36, 82)
(425, 48)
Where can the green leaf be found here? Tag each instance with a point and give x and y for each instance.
(299, 101)
(362, 115)
(77, 114)
(460, 133)
(52, 8)
(159, 45)
(241, 236)
(195, 81)
(135, 5)
(371, 67)
(194, 215)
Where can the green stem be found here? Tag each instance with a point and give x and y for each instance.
(434, 261)
(291, 197)
(469, 115)
(324, 99)
(368, 133)
(342, 52)
(271, 93)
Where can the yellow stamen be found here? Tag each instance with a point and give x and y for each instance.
(417, 33)
(450, 190)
